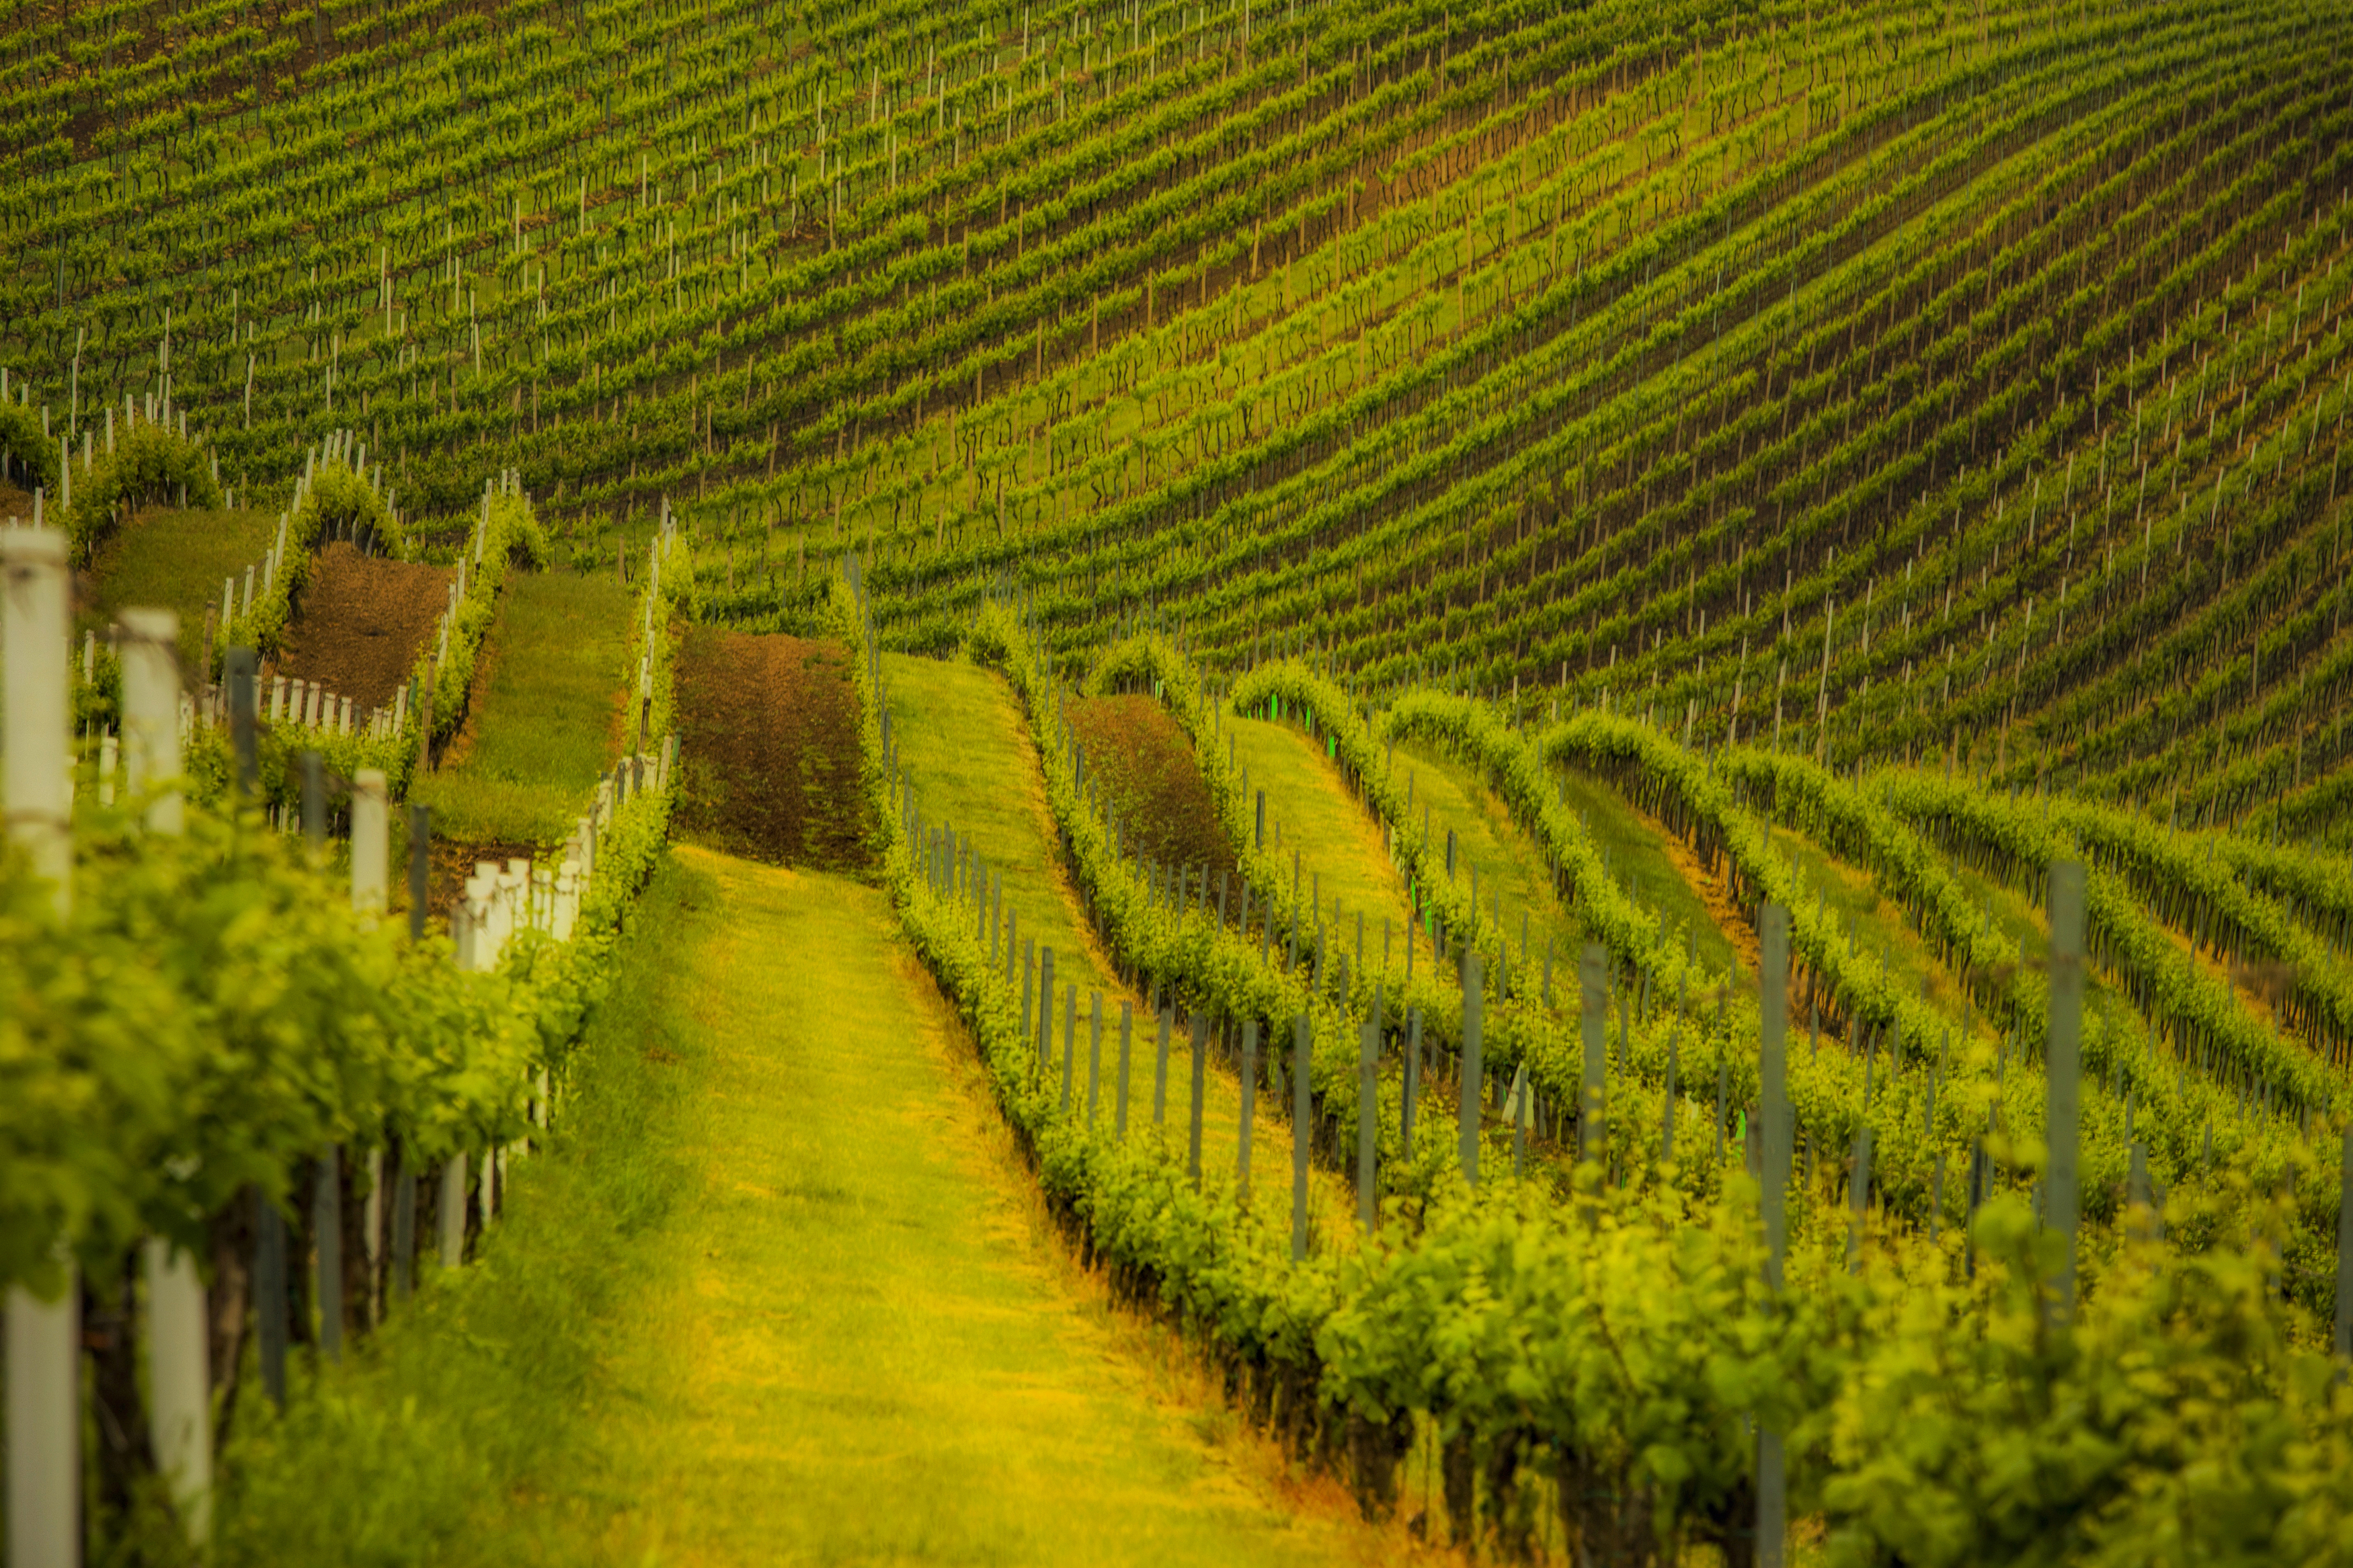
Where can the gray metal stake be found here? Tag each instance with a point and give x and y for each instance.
(2065, 1063)
(1302, 1039)
(1160, 1069)
(1200, 1069)
(1250, 1104)
(1473, 1073)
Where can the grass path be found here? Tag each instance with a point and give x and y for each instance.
(173, 560)
(1658, 871)
(1514, 883)
(543, 721)
(967, 753)
(1342, 866)
(782, 1294)
(858, 1353)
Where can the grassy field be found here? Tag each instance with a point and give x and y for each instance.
(972, 767)
(1311, 815)
(543, 723)
(784, 1293)
(1512, 877)
(1648, 860)
(173, 560)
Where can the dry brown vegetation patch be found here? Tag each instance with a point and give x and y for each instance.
(1144, 765)
(363, 619)
(770, 766)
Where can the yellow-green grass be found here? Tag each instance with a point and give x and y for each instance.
(543, 726)
(821, 1317)
(1515, 886)
(856, 1350)
(1847, 894)
(969, 759)
(2023, 920)
(1655, 868)
(1312, 815)
(170, 559)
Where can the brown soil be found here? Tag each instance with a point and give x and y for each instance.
(1145, 768)
(769, 762)
(362, 622)
(17, 503)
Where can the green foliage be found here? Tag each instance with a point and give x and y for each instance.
(2173, 1418)
(209, 1014)
(35, 455)
(149, 465)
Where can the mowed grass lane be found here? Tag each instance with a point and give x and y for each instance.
(1514, 881)
(855, 1349)
(968, 757)
(543, 721)
(783, 1293)
(170, 559)
(1312, 815)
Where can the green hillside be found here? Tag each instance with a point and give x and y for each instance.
(1583, 577)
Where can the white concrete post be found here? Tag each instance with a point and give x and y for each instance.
(567, 899)
(371, 842)
(179, 1349)
(44, 1338)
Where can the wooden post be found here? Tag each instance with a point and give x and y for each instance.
(1858, 1197)
(2345, 1252)
(369, 843)
(2064, 1066)
(269, 1294)
(1044, 1010)
(237, 674)
(179, 1350)
(315, 802)
(1412, 1091)
(403, 1222)
(1094, 1057)
(327, 1229)
(1474, 1079)
(44, 1336)
(1069, 1041)
(420, 866)
(453, 1210)
(1773, 1006)
(1303, 1042)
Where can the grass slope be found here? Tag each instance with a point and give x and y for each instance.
(1512, 879)
(782, 1294)
(1310, 813)
(543, 724)
(972, 768)
(173, 560)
